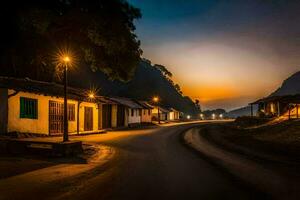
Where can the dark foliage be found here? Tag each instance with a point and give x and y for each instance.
(100, 34)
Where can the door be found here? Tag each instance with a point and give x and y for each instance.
(120, 116)
(56, 118)
(88, 118)
(106, 116)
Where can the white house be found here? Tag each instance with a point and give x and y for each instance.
(30, 106)
(146, 114)
(133, 110)
(163, 113)
(173, 114)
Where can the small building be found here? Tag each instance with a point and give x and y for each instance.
(29, 106)
(275, 106)
(132, 110)
(173, 114)
(163, 113)
(146, 115)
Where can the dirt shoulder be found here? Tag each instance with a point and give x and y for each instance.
(13, 165)
(276, 142)
(253, 155)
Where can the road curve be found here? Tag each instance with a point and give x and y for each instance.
(156, 165)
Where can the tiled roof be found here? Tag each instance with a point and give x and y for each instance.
(145, 104)
(285, 99)
(126, 102)
(47, 88)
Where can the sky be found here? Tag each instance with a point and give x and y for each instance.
(226, 53)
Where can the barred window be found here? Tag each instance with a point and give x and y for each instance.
(71, 112)
(28, 108)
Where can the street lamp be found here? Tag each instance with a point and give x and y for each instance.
(66, 63)
(64, 60)
(156, 100)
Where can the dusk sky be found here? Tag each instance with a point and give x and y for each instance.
(225, 53)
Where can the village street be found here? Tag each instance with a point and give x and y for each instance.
(139, 164)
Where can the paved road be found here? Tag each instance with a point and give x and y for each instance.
(157, 165)
(148, 164)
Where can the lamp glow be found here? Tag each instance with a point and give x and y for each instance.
(91, 95)
(155, 99)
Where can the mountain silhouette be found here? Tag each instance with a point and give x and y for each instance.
(290, 86)
(147, 82)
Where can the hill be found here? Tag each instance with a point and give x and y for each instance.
(244, 111)
(147, 82)
(290, 86)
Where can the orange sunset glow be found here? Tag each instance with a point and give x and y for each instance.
(223, 73)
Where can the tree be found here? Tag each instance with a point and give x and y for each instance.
(164, 70)
(197, 104)
(100, 33)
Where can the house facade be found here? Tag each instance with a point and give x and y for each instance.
(173, 114)
(163, 113)
(132, 110)
(146, 112)
(37, 107)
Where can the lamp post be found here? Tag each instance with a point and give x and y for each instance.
(66, 61)
(156, 100)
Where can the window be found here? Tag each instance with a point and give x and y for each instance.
(144, 112)
(28, 108)
(132, 112)
(71, 112)
(140, 112)
(149, 112)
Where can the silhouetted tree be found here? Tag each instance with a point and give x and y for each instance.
(100, 32)
(197, 104)
(164, 70)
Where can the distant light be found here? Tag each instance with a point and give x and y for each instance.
(221, 116)
(188, 117)
(201, 115)
(213, 115)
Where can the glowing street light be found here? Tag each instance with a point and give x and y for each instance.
(91, 95)
(221, 116)
(213, 116)
(64, 60)
(188, 117)
(156, 100)
(201, 115)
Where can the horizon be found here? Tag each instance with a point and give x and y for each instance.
(224, 54)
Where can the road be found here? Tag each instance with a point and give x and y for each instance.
(147, 164)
